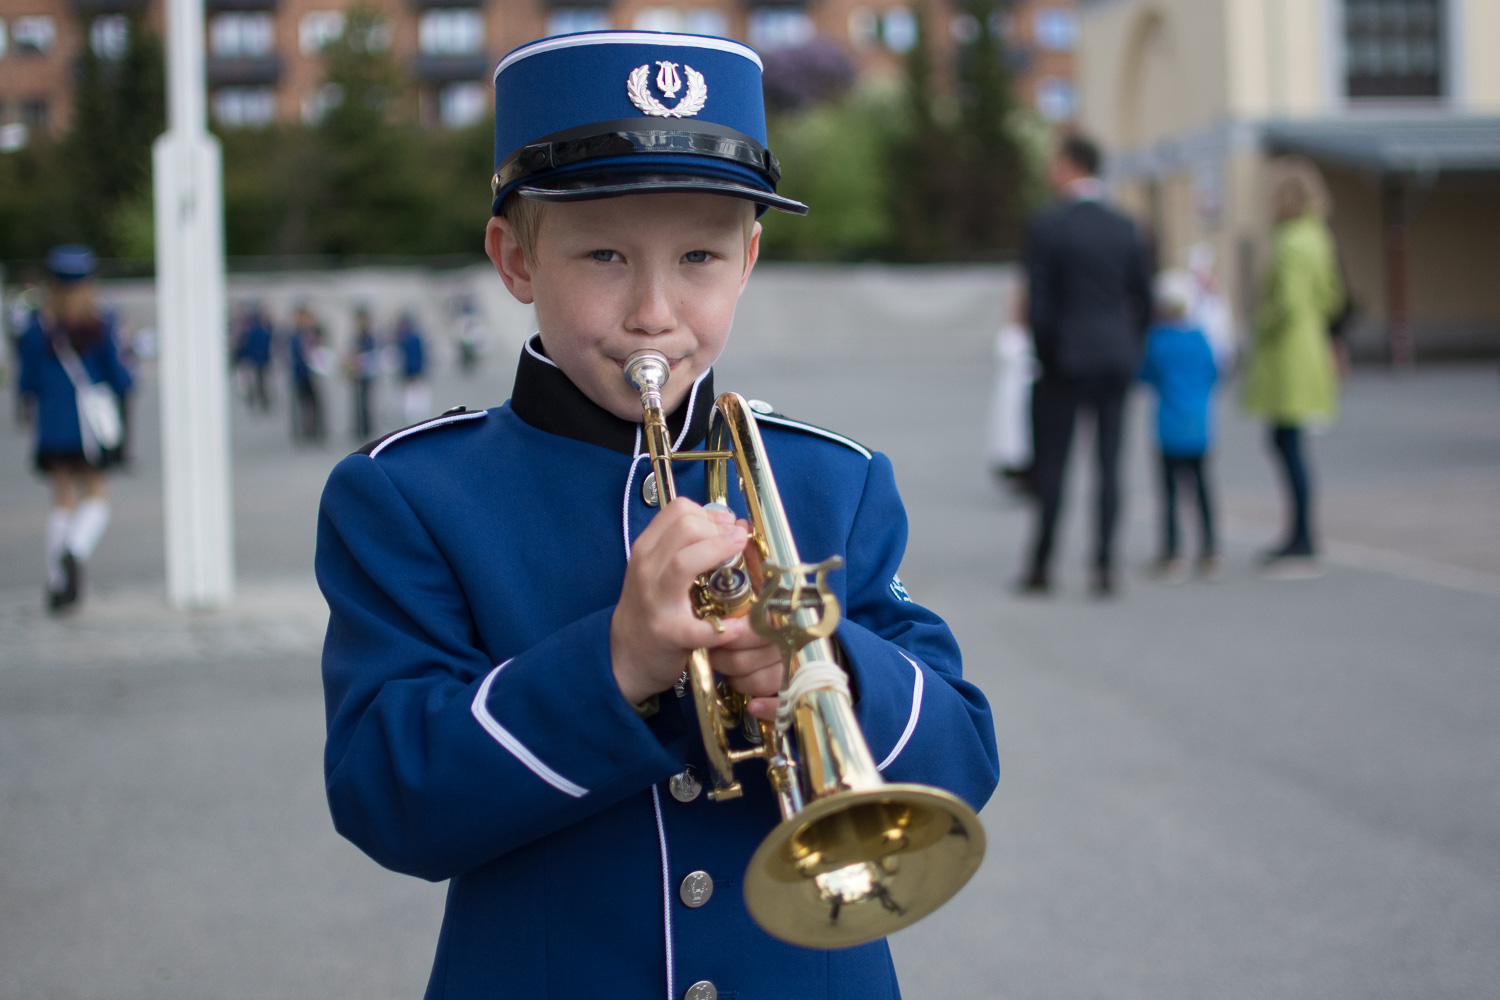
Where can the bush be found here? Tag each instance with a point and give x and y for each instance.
(834, 157)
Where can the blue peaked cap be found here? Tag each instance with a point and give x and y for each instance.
(70, 262)
(605, 113)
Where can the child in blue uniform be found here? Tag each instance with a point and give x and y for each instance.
(69, 344)
(509, 611)
(1179, 364)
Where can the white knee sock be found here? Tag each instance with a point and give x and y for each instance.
(88, 524)
(58, 522)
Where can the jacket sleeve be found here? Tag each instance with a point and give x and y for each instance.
(28, 378)
(922, 720)
(115, 372)
(1139, 281)
(437, 759)
(1041, 283)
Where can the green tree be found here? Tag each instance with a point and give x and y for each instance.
(958, 168)
(119, 109)
(368, 195)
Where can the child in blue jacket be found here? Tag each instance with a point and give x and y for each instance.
(509, 612)
(1179, 364)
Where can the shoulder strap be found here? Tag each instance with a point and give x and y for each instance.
(71, 363)
(451, 416)
(780, 420)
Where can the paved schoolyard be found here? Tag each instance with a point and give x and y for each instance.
(1240, 789)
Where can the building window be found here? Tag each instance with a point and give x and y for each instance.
(566, 20)
(1056, 30)
(1393, 48)
(109, 36)
(452, 31)
(1054, 98)
(693, 21)
(318, 29)
(244, 106)
(13, 137)
(33, 35)
(241, 35)
(461, 104)
(898, 29)
(773, 28)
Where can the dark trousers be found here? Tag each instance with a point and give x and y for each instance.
(307, 412)
(260, 393)
(362, 422)
(1173, 468)
(1286, 442)
(1055, 403)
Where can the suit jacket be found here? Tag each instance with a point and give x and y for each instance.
(1090, 302)
(476, 734)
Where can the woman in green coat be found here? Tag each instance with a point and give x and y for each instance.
(1291, 379)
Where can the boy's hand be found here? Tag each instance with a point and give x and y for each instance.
(752, 666)
(653, 628)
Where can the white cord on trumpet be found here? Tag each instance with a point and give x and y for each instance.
(817, 675)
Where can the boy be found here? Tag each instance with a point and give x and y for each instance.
(1179, 364)
(560, 790)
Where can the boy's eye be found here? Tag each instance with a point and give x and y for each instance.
(696, 256)
(605, 255)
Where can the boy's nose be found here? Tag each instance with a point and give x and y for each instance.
(652, 309)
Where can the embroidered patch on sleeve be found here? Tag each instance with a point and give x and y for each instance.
(899, 589)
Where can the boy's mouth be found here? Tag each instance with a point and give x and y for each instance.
(672, 363)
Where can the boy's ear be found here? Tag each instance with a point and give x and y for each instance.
(505, 253)
(752, 252)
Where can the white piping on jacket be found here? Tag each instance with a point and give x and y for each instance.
(666, 888)
(503, 736)
(425, 425)
(911, 723)
(766, 418)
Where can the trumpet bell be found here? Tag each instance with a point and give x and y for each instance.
(859, 865)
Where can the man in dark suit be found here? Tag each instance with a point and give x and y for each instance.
(1090, 305)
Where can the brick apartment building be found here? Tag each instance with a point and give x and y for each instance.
(264, 63)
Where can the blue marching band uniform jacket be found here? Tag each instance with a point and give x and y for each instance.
(476, 734)
(43, 377)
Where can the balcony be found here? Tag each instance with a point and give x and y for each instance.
(449, 68)
(244, 71)
(93, 8)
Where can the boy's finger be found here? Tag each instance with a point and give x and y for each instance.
(703, 555)
(762, 708)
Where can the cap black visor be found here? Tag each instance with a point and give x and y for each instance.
(614, 185)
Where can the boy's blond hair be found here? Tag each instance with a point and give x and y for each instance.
(525, 218)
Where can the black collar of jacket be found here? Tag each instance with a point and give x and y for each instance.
(548, 400)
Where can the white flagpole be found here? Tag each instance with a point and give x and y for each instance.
(192, 320)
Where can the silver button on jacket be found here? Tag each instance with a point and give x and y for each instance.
(701, 990)
(696, 888)
(685, 786)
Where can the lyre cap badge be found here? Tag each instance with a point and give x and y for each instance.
(669, 82)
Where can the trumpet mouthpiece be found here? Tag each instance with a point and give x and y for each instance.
(647, 369)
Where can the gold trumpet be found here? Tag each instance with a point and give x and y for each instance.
(854, 857)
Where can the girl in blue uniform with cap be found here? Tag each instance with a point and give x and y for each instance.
(509, 612)
(69, 348)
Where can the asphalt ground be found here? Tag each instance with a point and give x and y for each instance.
(1235, 789)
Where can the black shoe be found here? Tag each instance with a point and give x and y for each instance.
(1034, 584)
(67, 595)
